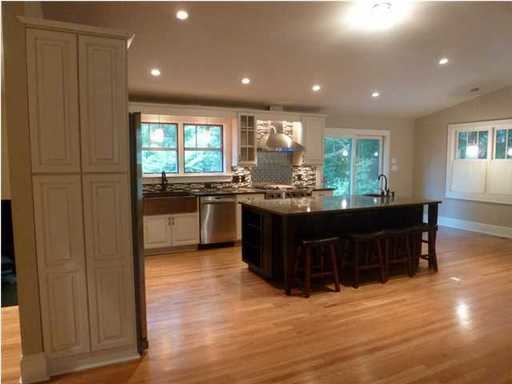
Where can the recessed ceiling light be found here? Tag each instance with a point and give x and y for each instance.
(375, 94)
(246, 81)
(374, 15)
(182, 15)
(316, 88)
(443, 61)
(155, 72)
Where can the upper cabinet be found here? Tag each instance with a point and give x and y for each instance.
(312, 139)
(103, 104)
(53, 101)
(246, 139)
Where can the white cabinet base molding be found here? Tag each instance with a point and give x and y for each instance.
(33, 368)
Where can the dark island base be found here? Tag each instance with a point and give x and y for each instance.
(270, 240)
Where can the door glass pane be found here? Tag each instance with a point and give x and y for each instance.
(337, 164)
(501, 143)
(367, 165)
(482, 144)
(509, 146)
(461, 145)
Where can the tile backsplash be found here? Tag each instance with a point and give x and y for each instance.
(273, 167)
(304, 176)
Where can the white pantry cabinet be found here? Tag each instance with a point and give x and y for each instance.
(312, 139)
(103, 104)
(53, 101)
(109, 259)
(165, 231)
(77, 96)
(61, 264)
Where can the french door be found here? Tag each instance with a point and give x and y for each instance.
(352, 164)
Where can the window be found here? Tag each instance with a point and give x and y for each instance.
(478, 161)
(352, 161)
(472, 144)
(159, 148)
(203, 148)
(503, 146)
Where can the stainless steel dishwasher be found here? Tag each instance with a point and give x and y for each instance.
(218, 219)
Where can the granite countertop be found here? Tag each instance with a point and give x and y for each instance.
(211, 192)
(310, 205)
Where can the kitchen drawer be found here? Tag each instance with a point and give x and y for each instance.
(169, 205)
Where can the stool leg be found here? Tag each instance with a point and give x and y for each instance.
(334, 267)
(409, 251)
(382, 268)
(356, 265)
(307, 272)
(432, 257)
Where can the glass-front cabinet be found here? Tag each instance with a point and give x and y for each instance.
(246, 139)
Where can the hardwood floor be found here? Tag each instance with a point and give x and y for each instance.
(212, 321)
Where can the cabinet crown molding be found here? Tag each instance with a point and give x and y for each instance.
(76, 28)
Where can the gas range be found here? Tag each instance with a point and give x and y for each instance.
(282, 191)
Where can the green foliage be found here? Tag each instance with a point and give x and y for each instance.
(338, 167)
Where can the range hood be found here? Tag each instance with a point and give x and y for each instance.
(277, 141)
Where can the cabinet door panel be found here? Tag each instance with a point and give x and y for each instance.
(109, 260)
(103, 104)
(53, 101)
(185, 229)
(313, 132)
(61, 264)
(157, 232)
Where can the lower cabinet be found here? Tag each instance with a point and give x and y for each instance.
(164, 231)
(242, 198)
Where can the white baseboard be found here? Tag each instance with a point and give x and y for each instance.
(33, 368)
(91, 360)
(474, 226)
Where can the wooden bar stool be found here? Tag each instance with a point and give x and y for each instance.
(366, 252)
(324, 248)
(431, 255)
(399, 249)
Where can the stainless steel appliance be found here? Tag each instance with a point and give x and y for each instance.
(218, 219)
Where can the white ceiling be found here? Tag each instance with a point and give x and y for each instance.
(287, 47)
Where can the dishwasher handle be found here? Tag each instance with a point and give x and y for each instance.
(223, 201)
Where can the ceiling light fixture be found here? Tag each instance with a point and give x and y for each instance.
(246, 81)
(377, 15)
(443, 61)
(182, 15)
(316, 88)
(155, 72)
(375, 94)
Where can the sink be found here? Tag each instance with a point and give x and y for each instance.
(168, 194)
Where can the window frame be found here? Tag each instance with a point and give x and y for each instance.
(180, 121)
(177, 149)
(495, 133)
(221, 149)
(487, 165)
(384, 137)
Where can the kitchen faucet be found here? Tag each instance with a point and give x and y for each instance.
(164, 179)
(386, 190)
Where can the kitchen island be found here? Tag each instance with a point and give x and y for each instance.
(271, 229)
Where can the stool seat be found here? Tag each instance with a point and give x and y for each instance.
(364, 246)
(325, 247)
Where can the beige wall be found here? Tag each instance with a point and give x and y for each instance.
(402, 141)
(15, 120)
(431, 135)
